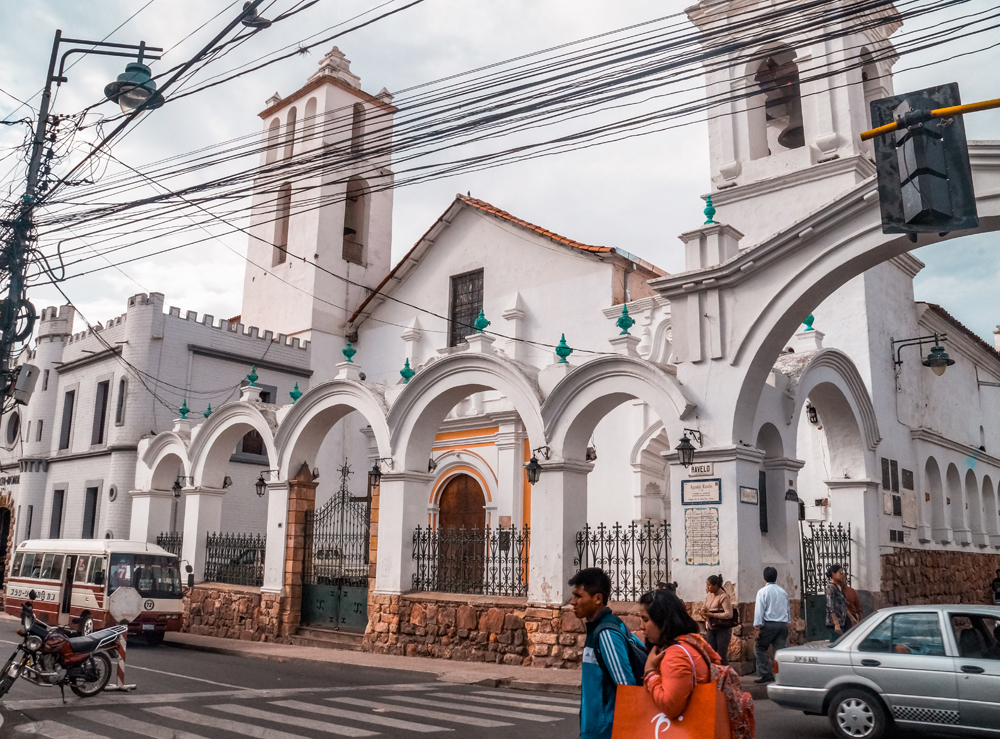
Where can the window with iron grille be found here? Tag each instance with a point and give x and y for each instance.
(466, 302)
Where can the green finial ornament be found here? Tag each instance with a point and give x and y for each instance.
(407, 372)
(625, 321)
(809, 322)
(184, 410)
(252, 377)
(348, 352)
(208, 412)
(563, 350)
(295, 393)
(709, 211)
(481, 322)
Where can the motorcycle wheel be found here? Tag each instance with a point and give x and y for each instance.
(7, 682)
(102, 665)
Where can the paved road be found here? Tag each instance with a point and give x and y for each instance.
(185, 694)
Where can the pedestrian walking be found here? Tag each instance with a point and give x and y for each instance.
(719, 617)
(995, 588)
(855, 609)
(609, 654)
(771, 615)
(837, 619)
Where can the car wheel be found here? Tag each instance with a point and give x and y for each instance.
(857, 714)
(86, 625)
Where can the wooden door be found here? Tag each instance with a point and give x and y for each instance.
(462, 504)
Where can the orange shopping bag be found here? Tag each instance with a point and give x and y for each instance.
(637, 717)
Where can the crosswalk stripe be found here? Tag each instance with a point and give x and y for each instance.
(470, 720)
(530, 697)
(284, 718)
(393, 723)
(509, 703)
(55, 730)
(473, 709)
(237, 727)
(143, 728)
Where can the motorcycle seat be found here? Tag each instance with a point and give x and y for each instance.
(84, 644)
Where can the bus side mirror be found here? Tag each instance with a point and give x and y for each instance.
(98, 578)
(190, 579)
(188, 569)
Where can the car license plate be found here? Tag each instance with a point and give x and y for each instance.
(148, 627)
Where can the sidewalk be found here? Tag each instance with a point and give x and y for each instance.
(472, 673)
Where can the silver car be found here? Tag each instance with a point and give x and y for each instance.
(930, 667)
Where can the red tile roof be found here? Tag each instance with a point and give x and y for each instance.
(976, 338)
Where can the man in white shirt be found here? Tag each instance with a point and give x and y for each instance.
(771, 616)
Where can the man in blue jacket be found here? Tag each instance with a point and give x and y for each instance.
(606, 662)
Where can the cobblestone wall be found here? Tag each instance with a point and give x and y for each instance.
(233, 612)
(914, 577)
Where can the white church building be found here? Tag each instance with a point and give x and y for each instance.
(523, 394)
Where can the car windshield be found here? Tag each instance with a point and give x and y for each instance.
(840, 638)
(153, 576)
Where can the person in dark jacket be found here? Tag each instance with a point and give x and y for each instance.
(837, 619)
(606, 635)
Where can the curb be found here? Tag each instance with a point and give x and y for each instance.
(511, 683)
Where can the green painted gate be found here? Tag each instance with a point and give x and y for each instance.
(823, 544)
(335, 575)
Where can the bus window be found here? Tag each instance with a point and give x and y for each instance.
(81, 569)
(46, 571)
(96, 568)
(15, 571)
(153, 576)
(57, 567)
(29, 569)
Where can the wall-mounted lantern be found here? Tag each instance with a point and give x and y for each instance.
(685, 449)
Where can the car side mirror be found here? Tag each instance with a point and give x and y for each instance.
(98, 578)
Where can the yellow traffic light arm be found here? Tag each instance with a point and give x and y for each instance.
(920, 116)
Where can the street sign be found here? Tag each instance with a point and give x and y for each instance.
(125, 604)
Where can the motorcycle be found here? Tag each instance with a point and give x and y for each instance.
(52, 655)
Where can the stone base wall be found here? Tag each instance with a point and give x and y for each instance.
(916, 577)
(478, 628)
(233, 612)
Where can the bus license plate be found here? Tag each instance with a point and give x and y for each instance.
(148, 627)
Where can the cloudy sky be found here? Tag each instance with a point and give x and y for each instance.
(636, 195)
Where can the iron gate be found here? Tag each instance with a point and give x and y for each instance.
(823, 544)
(335, 575)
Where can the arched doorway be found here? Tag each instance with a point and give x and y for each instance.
(462, 505)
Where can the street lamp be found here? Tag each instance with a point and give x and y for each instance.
(134, 87)
(176, 488)
(375, 473)
(261, 485)
(685, 450)
(938, 359)
(533, 470)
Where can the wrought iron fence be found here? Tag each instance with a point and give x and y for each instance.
(824, 545)
(338, 540)
(493, 561)
(636, 557)
(172, 541)
(237, 559)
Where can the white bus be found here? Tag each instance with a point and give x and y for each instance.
(72, 579)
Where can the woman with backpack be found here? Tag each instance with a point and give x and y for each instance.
(719, 618)
(680, 659)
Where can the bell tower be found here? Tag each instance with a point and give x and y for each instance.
(786, 138)
(321, 220)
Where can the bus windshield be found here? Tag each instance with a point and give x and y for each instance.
(153, 576)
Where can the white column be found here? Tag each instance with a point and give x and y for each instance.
(858, 503)
(510, 469)
(277, 537)
(783, 515)
(402, 507)
(558, 512)
(150, 514)
(202, 514)
(739, 558)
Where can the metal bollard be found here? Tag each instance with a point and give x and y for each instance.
(120, 682)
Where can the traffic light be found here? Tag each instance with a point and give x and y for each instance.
(924, 176)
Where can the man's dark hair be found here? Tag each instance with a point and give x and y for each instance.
(594, 580)
(833, 570)
(669, 614)
(770, 574)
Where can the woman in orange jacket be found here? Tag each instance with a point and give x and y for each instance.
(679, 658)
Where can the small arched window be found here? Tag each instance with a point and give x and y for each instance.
(358, 127)
(776, 125)
(122, 398)
(310, 124)
(273, 133)
(355, 220)
(282, 212)
(290, 134)
(13, 428)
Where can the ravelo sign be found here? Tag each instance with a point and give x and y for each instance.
(699, 492)
(703, 469)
